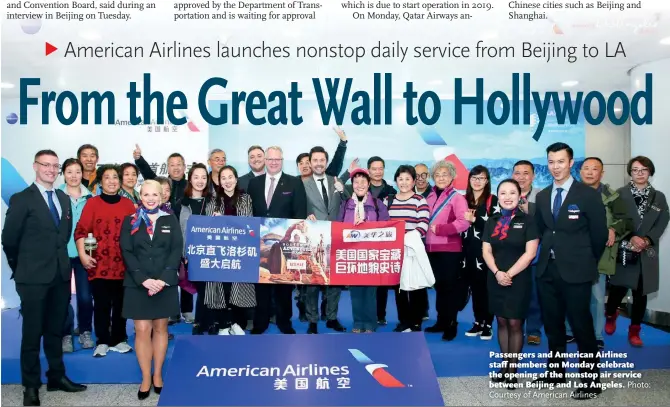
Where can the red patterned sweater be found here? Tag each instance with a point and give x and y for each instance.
(104, 220)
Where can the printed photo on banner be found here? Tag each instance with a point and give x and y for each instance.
(223, 248)
(295, 251)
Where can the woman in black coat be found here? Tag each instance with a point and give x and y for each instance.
(151, 245)
(637, 258)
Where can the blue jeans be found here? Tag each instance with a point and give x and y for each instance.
(534, 319)
(84, 296)
(68, 328)
(364, 307)
(597, 307)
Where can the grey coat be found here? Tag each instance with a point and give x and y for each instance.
(315, 204)
(652, 226)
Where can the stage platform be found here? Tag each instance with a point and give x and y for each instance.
(461, 357)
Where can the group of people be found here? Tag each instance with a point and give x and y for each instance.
(512, 250)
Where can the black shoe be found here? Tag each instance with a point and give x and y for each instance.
(31, 397)
(287, 330)
(486, 334)
(586, 394)
(601, 344)
(569, 338)
(142, 395)
(312, 328)
(382, 321)
(195, 331)
(336, 326)
(257, 331)
(66, 385)
(476, 330)
(415, 328)
(438, 327)
(400, 328)
(500, 376)
(450, 332)
(157, 389)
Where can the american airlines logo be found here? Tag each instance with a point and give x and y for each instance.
(377, 370)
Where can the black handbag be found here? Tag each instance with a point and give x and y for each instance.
(626, 256)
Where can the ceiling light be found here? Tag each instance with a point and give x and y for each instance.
(568, 84)
(5, 85)
(665, 41)
(89, 35)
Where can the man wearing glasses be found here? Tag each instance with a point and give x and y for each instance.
(217, 160)
(37, 228)
(422, 186)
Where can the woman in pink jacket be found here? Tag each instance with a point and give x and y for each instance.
(445, 247)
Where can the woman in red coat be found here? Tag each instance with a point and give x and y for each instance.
(102, 217)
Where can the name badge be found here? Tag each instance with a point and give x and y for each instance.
(573, 216)
(517, 226)
(165, 229)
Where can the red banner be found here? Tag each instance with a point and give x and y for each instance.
(369, 254)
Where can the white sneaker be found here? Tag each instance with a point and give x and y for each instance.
(100, 351)
(188, 317)
(225, 331)
(407, 330)
(121, 347)
(237, 330)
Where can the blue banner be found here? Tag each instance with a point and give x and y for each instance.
(290, 370)
(223, 251)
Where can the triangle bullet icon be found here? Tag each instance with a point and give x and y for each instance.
(49, 49)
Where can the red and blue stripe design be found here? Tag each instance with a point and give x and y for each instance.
(377, 370)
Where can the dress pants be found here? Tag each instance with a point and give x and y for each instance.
(108, 298)
(534, 319)
(311, 301)
(382, 301)
(411, 305)
(44, 309)
(559, 299)
(447, 268)
(283, 302)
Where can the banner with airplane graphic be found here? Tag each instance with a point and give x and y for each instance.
(290, 251)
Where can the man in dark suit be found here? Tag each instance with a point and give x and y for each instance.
(37, 228)
(256, 157)
(323, 203)
(276, 195)
(573, 228)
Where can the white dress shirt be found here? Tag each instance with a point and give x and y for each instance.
(267, 182)
(318, 183)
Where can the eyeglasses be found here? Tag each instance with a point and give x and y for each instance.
(640, 171)
(423, 175)
(274, 160)
(479, 179)
(45, 165)
(219, 160)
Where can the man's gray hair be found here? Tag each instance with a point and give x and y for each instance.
(215, 151)
(443, 164)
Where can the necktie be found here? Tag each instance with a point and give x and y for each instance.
(324, 192)
(558, 201)
(52, 208)
(271, 191)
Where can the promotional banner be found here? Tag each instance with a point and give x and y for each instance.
(301, 370)
(290, 251)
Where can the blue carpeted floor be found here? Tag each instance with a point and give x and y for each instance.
(463, 356)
